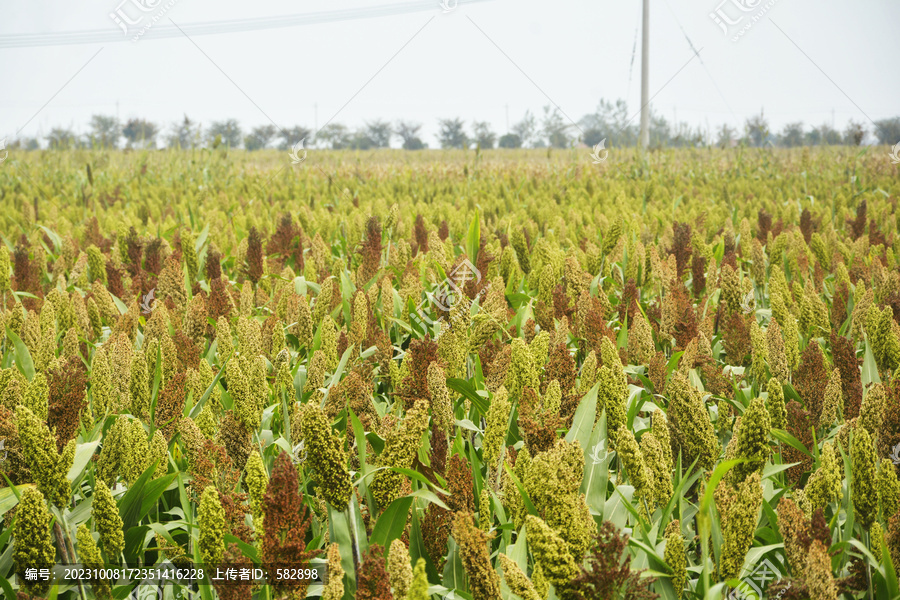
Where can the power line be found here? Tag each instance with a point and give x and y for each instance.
(162, 31)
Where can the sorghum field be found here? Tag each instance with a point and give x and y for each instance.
(476, 375)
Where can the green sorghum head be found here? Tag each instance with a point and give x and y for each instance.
(140, 386)
(224, 341)
(739, 526)
(4, 269)
(550, 552)
(778, 362)
(888, 489)
(328, 335)
(871, 412)
(833, 404)
(37, 395)
(753, 440)
(108, 522)
(496, 428)
(32, 544)
(863, 488)
(89, 556)
(660, 469)
(588, 373)
(825, 484)
(517, 580)
(676, 557)
(211, 519)
(48, 467)
(775, 404)
(326, 456)
(759, 351)
(419, 588)
(400, 447)
(158, 453)
(632, 458)
(441, 403)
(334, 589)
(689, 423)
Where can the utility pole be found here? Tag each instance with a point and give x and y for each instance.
(645, 78)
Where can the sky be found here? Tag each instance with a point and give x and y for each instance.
(352, 62)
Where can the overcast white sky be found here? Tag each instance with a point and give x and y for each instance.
(471, 62)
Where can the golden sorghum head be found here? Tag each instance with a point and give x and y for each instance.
(89, 556)
(475, 555)
(328, 334)
(441, 404)
(334, 589)
(778, 362)
(833, 405)
(819, 579)
(400, 447)
(775, 404)
(871, 413)
(399, 568)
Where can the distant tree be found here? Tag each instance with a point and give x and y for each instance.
(725, 136)
(227, 132)
(888, 131)
(105, 131)
(829, 135)
(854, 133)
(185, 134)
(757, 130)
(379, 133)
(792, 135)
(61, 139)
(260, 137)
(25, 143)
(484, 136)
(409, 133)
(813, 137)
(335, 135)
(525, 129)
(684, 136)
(660, 131)
(509, 140)
(592, 137)
(360, 140)
(555, 129)
(293, 135)
(452, 134)
(140, 133)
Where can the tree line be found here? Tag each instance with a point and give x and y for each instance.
(610, 122)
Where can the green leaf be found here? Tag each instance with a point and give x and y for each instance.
(465, 388)
(339, 532)
(9, 496)
(417, 548)
(131, 503)
(783, 436)
(391, 523)
(583, 421)
(473, 239)
(23, 357)
(454, 573)
(83, 454)
(869, 367)
(714, 479)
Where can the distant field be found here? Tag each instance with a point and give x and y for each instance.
(451, 374)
